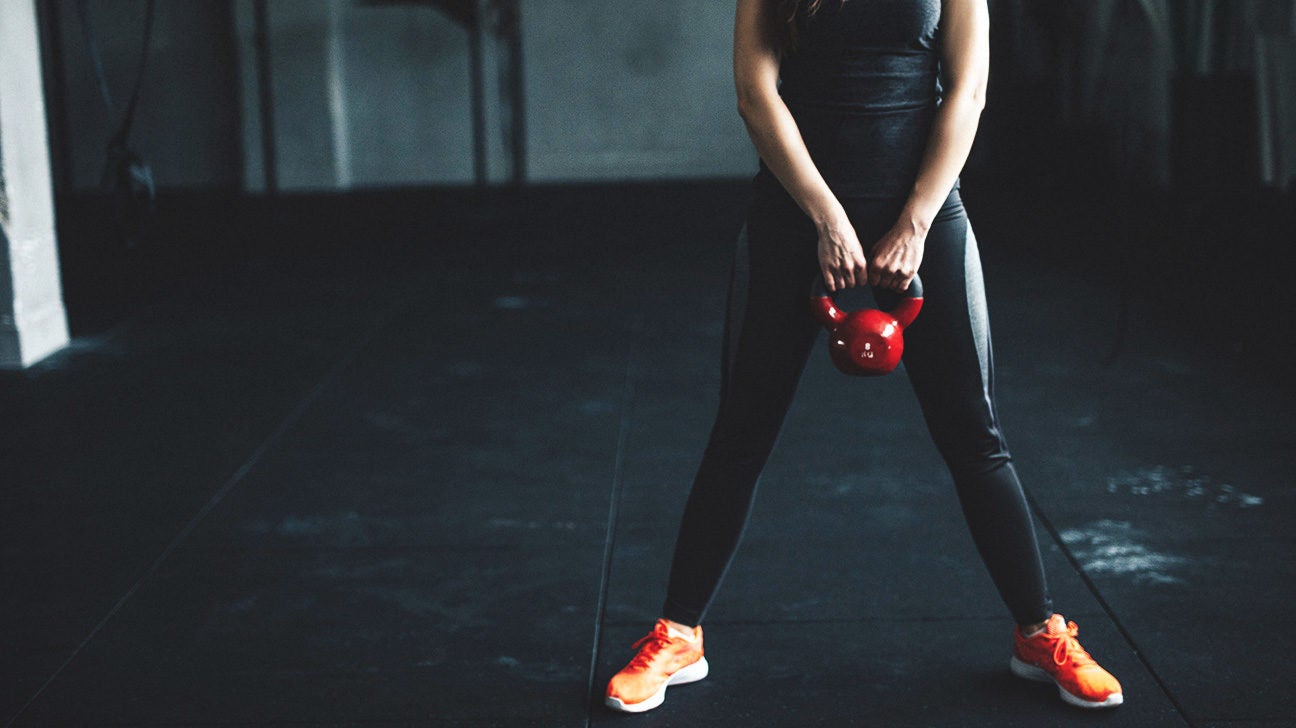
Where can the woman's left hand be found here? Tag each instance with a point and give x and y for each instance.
(896, 257)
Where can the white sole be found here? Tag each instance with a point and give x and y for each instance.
(1030, 672)
(692, 673)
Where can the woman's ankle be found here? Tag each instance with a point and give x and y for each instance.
(1030, 630)
(684, 630)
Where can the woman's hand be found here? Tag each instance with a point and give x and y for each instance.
(897, 255)
(841, 258)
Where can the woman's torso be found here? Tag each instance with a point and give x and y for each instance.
(863, 87)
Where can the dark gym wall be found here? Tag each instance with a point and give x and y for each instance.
(365, 95)
(374, 95)
(368, 93)
(624, 89)
(1193, 94)
(187, 122)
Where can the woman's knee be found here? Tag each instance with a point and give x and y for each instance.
(974, 450)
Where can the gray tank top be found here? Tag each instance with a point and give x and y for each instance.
(863, 85)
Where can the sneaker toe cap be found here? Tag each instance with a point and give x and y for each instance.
(629, 688)
(1095, 684)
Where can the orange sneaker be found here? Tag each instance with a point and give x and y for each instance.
(663, 659)
(1055, 656)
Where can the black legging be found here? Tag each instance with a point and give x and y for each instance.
(769, 333)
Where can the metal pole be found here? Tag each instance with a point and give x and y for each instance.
(265, 97)
(511, 27)
(476, 27)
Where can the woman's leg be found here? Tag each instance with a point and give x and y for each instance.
(769, 332)
(949, 363)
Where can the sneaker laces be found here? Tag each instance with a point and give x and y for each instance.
(652, 643)
(1068, 647)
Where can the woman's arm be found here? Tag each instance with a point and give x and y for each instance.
(965, 63)
(778, 141)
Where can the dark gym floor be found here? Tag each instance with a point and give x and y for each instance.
(424, 465)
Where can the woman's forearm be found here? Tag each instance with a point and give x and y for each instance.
(952, 133)
(777, 139)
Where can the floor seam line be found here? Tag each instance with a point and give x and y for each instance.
(214, 500)
(759, 622)
(1107, 608)
(614, 508)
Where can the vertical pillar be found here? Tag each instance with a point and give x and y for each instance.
(1275, 68)
(33, 323)
(335, 78)
(477, 38)
(512, 84)
(499, 133)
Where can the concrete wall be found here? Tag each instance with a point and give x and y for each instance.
(364, 95)
(33, 322)
(367, 95)
(374, 95)
(406, 78)
(620, 89)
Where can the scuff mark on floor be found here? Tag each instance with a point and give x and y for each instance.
(1183, 481)
(531, 525)
(514, 303)
(1115, 548)
(552, 671)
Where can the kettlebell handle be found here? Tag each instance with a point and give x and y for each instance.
(827, 313)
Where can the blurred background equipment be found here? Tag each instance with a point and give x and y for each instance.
(126, 177)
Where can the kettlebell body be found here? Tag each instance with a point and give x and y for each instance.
(868, 342)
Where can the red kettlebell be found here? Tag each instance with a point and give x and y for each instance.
(867, 342)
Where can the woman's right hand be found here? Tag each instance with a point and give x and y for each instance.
(841, 258)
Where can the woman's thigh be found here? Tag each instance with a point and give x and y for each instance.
(947, 349)
(769, 327)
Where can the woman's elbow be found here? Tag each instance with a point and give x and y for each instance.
(754, 104)
(971, 97)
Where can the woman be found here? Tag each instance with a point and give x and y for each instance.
(863, 140)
